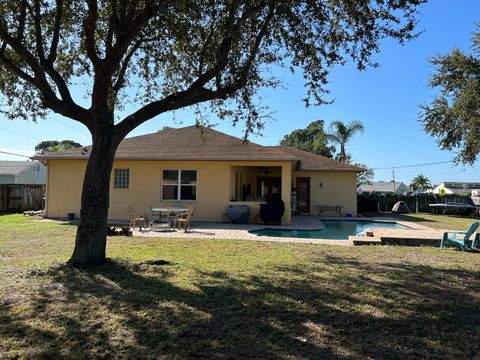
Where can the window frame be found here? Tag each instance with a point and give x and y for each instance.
(179, 185)
(121, 178)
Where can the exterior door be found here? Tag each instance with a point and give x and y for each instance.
(269, 187)
(303, 194)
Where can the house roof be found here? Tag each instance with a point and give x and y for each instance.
(310, 161)
(382, 186)
(188, 143)
(14, 167)
(458, 185)
(195, 143)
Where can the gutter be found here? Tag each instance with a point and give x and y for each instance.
(46, 187)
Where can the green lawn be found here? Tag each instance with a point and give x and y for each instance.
(434, 221)
(232, 299)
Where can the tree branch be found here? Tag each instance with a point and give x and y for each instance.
(196, 93)
(16, 70)
(121, 75)
(171, 102)
(90, 26)
(21, 20)
(35, 13)
(39, 80)
(52, 56)
(130, 32)
(112, 27)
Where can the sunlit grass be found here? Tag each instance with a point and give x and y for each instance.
(232, 299)
(435, 221)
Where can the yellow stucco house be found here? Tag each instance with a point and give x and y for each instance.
(207, 168)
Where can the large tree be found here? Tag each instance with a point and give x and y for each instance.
(366, 177)
(167, 55)
(453, 116)
(312, 139)
(341, 133)
(54, 145)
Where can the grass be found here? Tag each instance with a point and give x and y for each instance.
(435, 221)
(218, 299)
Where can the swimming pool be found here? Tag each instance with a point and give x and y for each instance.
(333, 229)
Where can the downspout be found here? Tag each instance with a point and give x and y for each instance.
(46, 188)
(46, 185)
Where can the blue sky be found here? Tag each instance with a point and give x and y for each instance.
(385, 99)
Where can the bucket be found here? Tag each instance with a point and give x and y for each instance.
(71, 216)
(349, 215)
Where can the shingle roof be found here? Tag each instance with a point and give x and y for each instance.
(194, 143)
(14, 167)
(310, 161)
(382, 186)
(188, 143)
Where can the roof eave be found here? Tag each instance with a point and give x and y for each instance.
(335, 170)
(47, 158)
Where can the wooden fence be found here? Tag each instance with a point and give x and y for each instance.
(416, 203)
(21, 197)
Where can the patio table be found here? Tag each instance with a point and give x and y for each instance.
(163, 216)
(323, 208)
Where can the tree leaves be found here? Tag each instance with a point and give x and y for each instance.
(312, 139)
(54, 145)
(341, 133)
(453, 116)
(181, 53)
(420, 182)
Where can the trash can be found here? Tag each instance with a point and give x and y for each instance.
(349, 215)
(71, 216)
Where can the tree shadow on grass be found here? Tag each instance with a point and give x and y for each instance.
(333, 308)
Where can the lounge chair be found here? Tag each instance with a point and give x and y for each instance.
(184, 219)
(450, 238)
(136, 217)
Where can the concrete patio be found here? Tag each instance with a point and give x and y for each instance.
(416, 234)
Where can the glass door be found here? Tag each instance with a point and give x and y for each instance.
(303, 194)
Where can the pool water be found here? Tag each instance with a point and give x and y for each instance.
(334, 229)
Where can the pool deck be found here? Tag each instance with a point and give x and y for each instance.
(416, 234)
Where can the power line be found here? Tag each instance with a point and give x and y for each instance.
(416, 165)
(9, 153)
(19, 133)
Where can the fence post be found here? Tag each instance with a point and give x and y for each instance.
(4, 198)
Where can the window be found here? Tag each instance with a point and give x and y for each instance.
(179, 185)
(121, 178)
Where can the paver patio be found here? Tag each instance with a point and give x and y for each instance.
(415, 234)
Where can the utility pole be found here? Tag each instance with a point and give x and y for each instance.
(393, 171)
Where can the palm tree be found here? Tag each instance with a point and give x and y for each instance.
(341, 134)
(420, 182)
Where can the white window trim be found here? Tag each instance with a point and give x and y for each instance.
(179, 184)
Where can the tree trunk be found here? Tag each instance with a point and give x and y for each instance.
(342, 153)
(91, 239)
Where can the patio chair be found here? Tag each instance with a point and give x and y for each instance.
(450, 238)
(184, 219)
(136, 217)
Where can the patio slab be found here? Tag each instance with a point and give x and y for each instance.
(416, 234)
(211, 230)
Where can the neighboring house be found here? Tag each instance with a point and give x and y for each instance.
(384, 187)
(23, 172)
(207, 168)
(456, 188)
